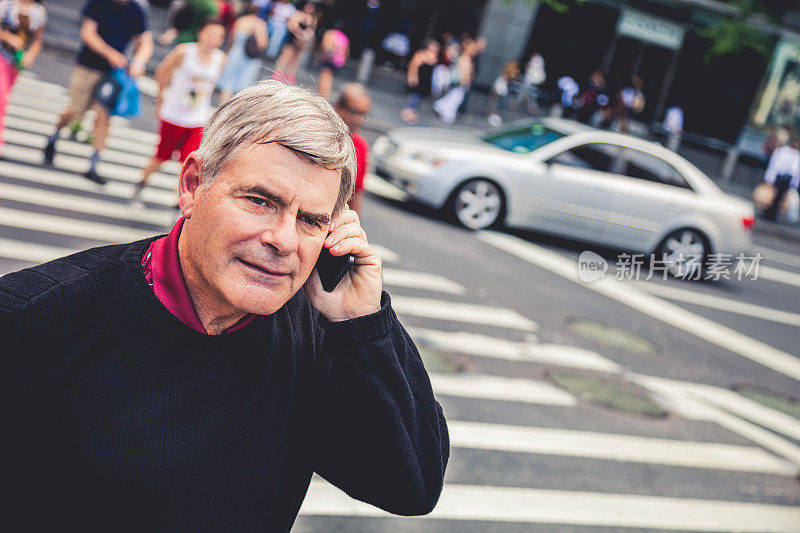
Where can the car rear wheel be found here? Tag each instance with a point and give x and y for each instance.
(683, 252)
(477, 204)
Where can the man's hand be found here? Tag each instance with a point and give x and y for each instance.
(116, 59)
(136, 68)
(359, 292)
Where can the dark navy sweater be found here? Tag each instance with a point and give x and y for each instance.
(121, 417)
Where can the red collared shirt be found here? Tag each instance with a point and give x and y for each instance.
(162, 268)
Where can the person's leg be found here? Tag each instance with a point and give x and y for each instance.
(102, 121)
(781, 186)
(325, 83)
(82, 83)
(8, 75)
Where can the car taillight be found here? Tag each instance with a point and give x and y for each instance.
(748, 222)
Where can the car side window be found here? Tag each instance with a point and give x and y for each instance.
(595, 156)
(641, 165)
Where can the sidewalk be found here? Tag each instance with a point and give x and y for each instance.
(388, 92)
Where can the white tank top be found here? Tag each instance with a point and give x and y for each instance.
(187, 101)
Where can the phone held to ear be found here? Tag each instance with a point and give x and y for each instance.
(332, 268)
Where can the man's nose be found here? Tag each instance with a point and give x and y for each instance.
(281, 234)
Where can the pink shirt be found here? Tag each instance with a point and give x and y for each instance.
(162, 268)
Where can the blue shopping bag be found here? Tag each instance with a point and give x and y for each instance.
(118, 93)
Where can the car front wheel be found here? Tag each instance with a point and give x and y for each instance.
(477, 204)
(683, 252)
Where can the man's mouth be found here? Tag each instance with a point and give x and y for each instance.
(264, 270)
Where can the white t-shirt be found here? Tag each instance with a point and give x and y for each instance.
(188, 99)
(21, 20)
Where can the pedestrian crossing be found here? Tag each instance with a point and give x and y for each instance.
(495, 419)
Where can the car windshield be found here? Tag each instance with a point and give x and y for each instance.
(523, 140)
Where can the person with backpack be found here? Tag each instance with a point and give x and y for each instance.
(249, 40)
(107, 28)
(21, 35)
(188, 75)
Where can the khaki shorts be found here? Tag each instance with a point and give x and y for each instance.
(82, 85)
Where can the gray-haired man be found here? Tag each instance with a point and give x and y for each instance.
(186, 382)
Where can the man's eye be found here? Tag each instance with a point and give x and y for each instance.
(257, 201)
(312, 222)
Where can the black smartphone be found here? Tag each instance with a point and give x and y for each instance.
(332, 268)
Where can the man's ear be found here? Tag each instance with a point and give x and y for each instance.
(189, 183)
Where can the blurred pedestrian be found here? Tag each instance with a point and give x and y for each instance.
(248, 41)
(593, 99)
(480, 47)
(353, 106)
(396, 46)
(302, 26)
(569, 89)
(631, 103)
(419, 79)
(107, 27)
(500, 91)
(188, 75)
(673, 125)
(445, 74)
(528, 92)
(280, 11)
(22, 25)
(783, 172)
(333, 53)
(447, 106)
(185, 18)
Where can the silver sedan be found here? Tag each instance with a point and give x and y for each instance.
(560, 177)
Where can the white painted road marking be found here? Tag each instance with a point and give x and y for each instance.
(70, 226)
(462, 312)
(485, 346)
(387, 256)
(541, 506)
(723, 304)
(669, 313)
(31, 252)
(614, 447)
(499, 388)
(421, 280)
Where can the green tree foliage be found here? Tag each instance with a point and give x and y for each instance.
(732, 35)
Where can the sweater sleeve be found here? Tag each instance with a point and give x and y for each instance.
(381, 436)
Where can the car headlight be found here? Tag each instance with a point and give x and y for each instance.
(427, 157)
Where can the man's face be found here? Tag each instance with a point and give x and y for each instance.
(354, 110)
(253, 237)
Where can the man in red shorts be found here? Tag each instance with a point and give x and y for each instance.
(189, 73)
(353, 107)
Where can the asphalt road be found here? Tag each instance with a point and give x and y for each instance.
(499, 316)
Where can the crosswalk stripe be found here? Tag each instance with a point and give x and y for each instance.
(779, 276)
(54, 106)
(779, 257)
(82, 204)
(540, 506)
(115, 132)
(70, 226)
(674, 315)
(723, 304)
(500, 388)
(421, 280)
(462, 312)
(33, 114)
(136, 158)
(31, 252)
(69, 147)
(614, 447)
(681, 401)
(387, 256)
(68, 180)
(380, 187)
(486, 346)
(80, 165)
